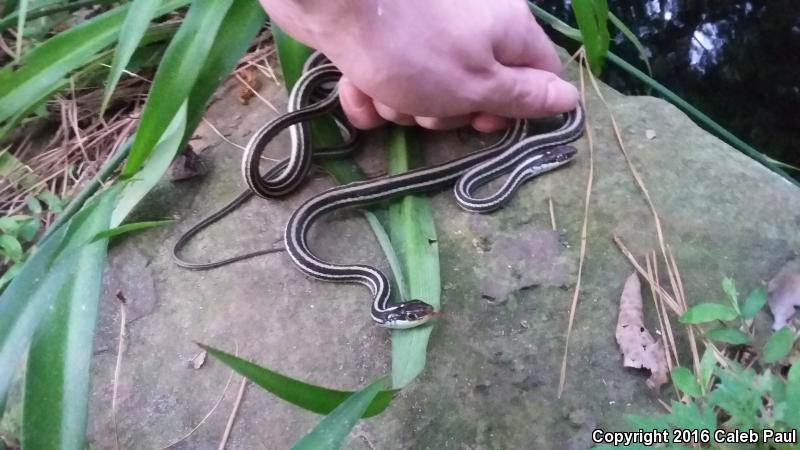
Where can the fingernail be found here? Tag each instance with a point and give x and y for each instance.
(561, 96)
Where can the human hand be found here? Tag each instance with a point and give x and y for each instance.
(436, 63)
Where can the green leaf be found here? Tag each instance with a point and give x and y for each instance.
(28, 297)
(154, 167)
(754, 302)
(22, 16)
(307, 396)
(33, 204)
(729, 288)
(707, 363)
(177, 73)
(728, 335)
(9, 275)
(128, 227)
(778, 345)
(330, 433)
(10, 247)
(684, 380)
(388, 250)
(139, 15)
(29, 228)
(46, 65)
(689, 415)
(592, 18)
(241, 24)
(414, 238)
(708, 312)
(59, 359)
(52, 201)
(633, 39)
(11, 224)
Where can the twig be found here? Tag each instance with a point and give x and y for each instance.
(552, 213)
(584, 234)
(232, 417)
(123, 317)
(210, 412)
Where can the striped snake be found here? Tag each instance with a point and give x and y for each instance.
(518, 155)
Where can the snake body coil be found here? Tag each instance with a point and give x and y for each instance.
(517, 154)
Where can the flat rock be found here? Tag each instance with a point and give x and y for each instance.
(508, 278)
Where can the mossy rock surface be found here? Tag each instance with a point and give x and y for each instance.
(508, 278)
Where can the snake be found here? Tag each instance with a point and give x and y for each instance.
(519, 155)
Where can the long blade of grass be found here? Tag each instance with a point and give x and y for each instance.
(9, 20)
(672, 97)
(56, 391)
(22, 15)
(130, 227)
(330, 432)
(176, 76)
(633, 40)
(153, 168)
(413, 236)
(137, 19)
(238, 29)
(592, 17)
(386, 245)
(47, 65)
(29, 296)
(307, 396)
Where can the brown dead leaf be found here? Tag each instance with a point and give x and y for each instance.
(198, 360)
(783, 296)
(639, 349)
(251, 84)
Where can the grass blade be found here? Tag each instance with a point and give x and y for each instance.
(307, 396)
(22, 15)
(129, 227)
(330, 432)
(238, 29)
(176, 76)
(56, 391)
(152, 170)
(413, 236)
(592, 17)
(137, 19)
(633, 40)
(48, 64)
(386, 245)
(28, 298)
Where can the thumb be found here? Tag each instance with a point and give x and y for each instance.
(524, 92)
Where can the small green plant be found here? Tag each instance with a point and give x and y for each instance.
(18, 233)
(734, 389)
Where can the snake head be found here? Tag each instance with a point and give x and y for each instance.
(409, 314)
(559, 154)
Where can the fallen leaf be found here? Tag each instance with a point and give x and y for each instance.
(783, 296)
(198, 360)
(251, 84)
(639, 349)
(186, 165)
